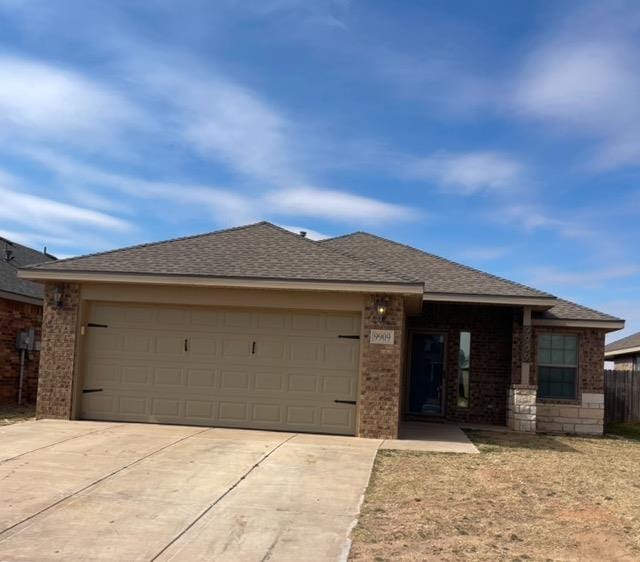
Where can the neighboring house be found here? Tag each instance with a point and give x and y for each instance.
(625, 353)
(258, 327)
(20, 310)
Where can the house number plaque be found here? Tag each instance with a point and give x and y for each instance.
(382, 337)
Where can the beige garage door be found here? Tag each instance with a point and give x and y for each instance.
(264, 369)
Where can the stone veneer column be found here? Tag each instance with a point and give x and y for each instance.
(521, 408)
(57, 355)
(381, 370)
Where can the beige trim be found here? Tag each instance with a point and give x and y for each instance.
(543, 302)
(355, 287)
(623, 351)
(20, 298)
(609, 325)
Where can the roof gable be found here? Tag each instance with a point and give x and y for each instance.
(260, 251)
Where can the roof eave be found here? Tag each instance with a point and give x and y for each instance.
(606, 325)
(541, 302)
(28, 299)
(52, 275)
(622, 351)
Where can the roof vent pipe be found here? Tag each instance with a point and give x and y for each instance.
(303, 233)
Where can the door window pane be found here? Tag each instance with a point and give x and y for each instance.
(464, 367)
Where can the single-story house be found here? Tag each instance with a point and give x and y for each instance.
(20, 313)
(625, 353)
(259, 327)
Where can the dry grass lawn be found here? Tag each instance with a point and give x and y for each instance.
(15, 414)
(524, 498)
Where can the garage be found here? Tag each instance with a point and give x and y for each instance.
(216, 366)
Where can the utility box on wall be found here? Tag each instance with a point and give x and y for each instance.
(26, 341)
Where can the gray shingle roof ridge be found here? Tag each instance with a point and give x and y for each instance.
(614, 318)
(621, 343)
(147, 244)
(318, 244)
(468, 268)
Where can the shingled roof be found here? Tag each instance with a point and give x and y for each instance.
(12, 257)
(450, 278)
(264, 251)
(257, 251)
(438, 274)
(630, 342)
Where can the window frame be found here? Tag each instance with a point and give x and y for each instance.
(565, 400)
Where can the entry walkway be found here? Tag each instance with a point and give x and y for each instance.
(431, 437)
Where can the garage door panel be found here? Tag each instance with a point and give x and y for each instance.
(240, 368)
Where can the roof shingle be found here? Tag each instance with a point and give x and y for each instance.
(260, 251)
(439, 275)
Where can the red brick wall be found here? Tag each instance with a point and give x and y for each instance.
(490, 376)
(17, 317)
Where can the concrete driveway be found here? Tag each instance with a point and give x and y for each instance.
(112, 491)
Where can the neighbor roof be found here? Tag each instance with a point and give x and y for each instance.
(258, 251)
(630, 342)
(438, 274)
(12, 257)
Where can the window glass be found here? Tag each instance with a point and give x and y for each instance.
(464, 368)
(557, 366)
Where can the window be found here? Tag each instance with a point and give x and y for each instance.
(464, 366)
(557, 366)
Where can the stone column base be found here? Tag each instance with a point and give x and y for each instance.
(522, 409)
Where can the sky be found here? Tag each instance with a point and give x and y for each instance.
(500, 134)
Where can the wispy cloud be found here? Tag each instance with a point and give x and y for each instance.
(583, 77)
(43, 101)
(469, 173)
(549, 276)
(336, 205)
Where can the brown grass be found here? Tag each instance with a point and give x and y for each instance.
(14, 414)
(523, 498)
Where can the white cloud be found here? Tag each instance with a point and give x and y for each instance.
(583, 77)
(53, 216)
(226, 206)
(336, 205)
(469, 173)
(43, 101)
(311, 234)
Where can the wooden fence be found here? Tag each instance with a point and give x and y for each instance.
(622, 396)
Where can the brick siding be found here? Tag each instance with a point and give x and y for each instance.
(59, 328)
(380, 371)
(490, 375)
(16, 317)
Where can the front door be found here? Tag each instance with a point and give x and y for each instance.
(426, 375)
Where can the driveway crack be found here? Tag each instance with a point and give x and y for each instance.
(98, 481)
(221, 497)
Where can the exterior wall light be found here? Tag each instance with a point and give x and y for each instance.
(381, 308)
(58, 296)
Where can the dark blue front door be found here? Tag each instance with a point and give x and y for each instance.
(426, 375)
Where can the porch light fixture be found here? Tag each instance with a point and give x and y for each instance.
(58, 296)
(382, 308)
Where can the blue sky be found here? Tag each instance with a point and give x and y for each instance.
(500, 134)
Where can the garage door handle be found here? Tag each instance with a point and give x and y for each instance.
(352, 402)
(89, 390)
